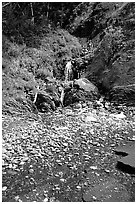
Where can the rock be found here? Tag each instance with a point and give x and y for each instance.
(93, 167)
(77, 95)
(4, 188)
(123, 94)
(31, 171)
(44, 102)
(86, 85)
(24, 159)
(118, 116)
(73, 96)
(52, 90)
(62, 180)
(90, 118)
(127, 149)
(107, 191)
(46, 200)
(127, 163)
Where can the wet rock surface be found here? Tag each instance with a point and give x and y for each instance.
(86, 85)
(62, 156)
(127, 163)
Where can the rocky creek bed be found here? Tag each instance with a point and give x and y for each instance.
(66, 156)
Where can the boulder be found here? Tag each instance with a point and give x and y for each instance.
(73, 96)
(123, 95)
(44, 102)
(85, 85)
(53, 93)
(127, 162)
(76, 95)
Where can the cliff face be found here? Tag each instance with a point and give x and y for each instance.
(110, 27)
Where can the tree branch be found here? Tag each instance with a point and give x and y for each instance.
(6, 4)
(32, 13)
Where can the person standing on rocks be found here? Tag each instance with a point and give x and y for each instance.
(68, 71)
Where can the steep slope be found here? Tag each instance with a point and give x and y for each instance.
(110, 27)
(26, 67)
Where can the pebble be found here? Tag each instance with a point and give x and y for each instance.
(16, 198)
(25, 159)
(3, 163)
(65, 144)
(107, 171)
(93, 167)
(45, 200)
(90, 119)
(52, 199)
(31, 171)
(78, 187)
(4, 188)
(22, 163)
(10, 166)
(62, 179)
(87, 158)
(94, 197)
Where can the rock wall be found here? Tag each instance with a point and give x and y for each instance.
(112, 35)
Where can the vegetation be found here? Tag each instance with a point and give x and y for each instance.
(60, 138)
(38, 41)
(31, 53)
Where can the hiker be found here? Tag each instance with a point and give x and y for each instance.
(68, 71)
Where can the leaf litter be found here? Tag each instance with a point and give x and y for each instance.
(51, 152)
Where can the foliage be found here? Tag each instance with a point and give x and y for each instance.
(31, 65)
(35, 46)
(113, 42)
(28, 18)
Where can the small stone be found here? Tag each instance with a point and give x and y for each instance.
(16, 198)
(65, 144)
(57, 188)
(52, 199)
(93, 167)
(22, 163)
(15, 161)
(62, 179)
(56, 175)
(3, 163)
(10, 166)
(78, 187)
(31, 171)
(4, 188)
(85, 184)
(94, 197)
(107, 171)
(45, 200)
(25, 159)
(90, 119)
